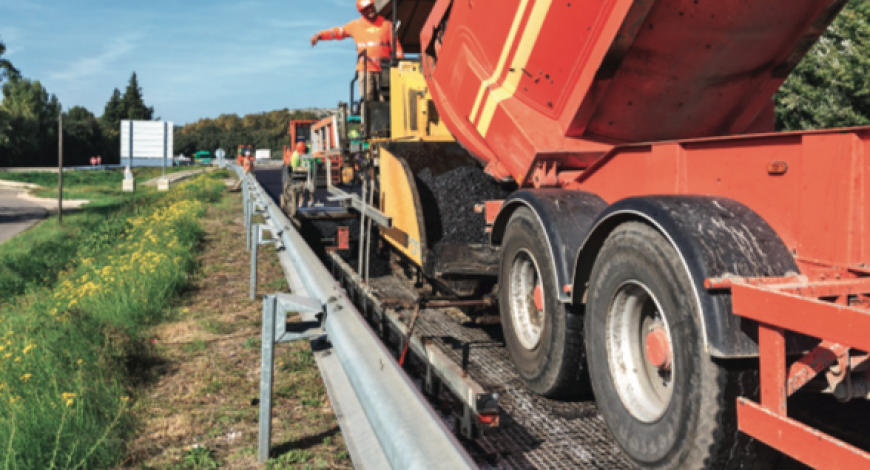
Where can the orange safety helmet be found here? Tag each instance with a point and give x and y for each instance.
(300, 146)
(363, 4)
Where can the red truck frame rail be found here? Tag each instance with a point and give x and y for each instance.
(835, 311)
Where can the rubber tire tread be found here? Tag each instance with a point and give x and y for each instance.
(289, 201)
(710, 439)
(557, 368)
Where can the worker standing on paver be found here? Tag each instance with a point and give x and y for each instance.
(296, 158)
(372, 34)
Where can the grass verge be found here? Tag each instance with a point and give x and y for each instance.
(196, 405)
(87, 177)
(99, 187)
(36, 258)
(65, 349)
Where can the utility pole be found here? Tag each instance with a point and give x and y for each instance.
(60, 168)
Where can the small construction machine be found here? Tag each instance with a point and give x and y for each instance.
(608, 173)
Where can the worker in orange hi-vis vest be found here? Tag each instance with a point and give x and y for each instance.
(249, 164)
(246, 157)
(372, 34)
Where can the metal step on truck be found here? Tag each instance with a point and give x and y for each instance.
(608, 174)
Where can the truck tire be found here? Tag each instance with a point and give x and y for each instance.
(668, 404)
(289, 200)
(547, 353)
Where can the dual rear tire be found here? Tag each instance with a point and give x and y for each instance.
(641, 347)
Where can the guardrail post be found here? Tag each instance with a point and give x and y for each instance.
(249, 216)
(257, 234)
(266, 370)
(254, 249)
(275, 331)
(246, 195)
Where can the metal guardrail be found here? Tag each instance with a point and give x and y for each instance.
(409, 433)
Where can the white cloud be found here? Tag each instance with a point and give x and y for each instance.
(95, 65)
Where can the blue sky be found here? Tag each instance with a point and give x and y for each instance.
(193, 58)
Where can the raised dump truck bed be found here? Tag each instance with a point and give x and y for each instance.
(515, 79)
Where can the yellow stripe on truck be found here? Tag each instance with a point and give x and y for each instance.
(505, 53)
(521, 59)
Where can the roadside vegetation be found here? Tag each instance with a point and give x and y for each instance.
(68, 338)
(198, 388)
(99, 187)
(35, 259)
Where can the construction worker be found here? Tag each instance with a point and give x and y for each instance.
(295, 176)
(246, 159)
(373, 34)
(296, 159)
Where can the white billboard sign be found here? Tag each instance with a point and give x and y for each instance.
(146, 139)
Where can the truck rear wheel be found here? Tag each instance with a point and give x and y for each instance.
(547, 354)
(667, 402)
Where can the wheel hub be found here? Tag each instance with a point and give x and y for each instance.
(539, 297)
(640, 351)
(658, 349)
(527, 300)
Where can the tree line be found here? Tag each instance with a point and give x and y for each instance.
(29, 123)
(830, 88)
(263, 131)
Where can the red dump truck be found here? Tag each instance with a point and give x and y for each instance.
(664, 247)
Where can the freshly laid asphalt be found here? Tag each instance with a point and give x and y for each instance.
(17, 215)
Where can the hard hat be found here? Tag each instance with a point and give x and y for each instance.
(300, 147)
(363, 4)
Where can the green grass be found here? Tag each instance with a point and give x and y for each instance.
(88, 177)
(100, 187)
(70, 178)
(199, 458)
(36, 258)
(66, 347)
(291, 459)
(218, 328)
(195, 346)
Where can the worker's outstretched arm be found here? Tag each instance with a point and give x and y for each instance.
(335, 34)
(400, 53)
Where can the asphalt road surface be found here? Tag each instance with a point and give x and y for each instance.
(17, 215)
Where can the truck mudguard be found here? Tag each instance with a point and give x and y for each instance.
(566, 217)
(714, 236)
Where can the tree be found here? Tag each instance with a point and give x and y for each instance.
(831, 86)
(6, 68)
(228, 131)
(31, 137)
(113, 112)
(6, 71)
(83, 137)
(133, 104)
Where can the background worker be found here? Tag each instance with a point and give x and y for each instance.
(296, 159)
(246, 160)
(373, 34)
(293, 162)
(299, 172)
